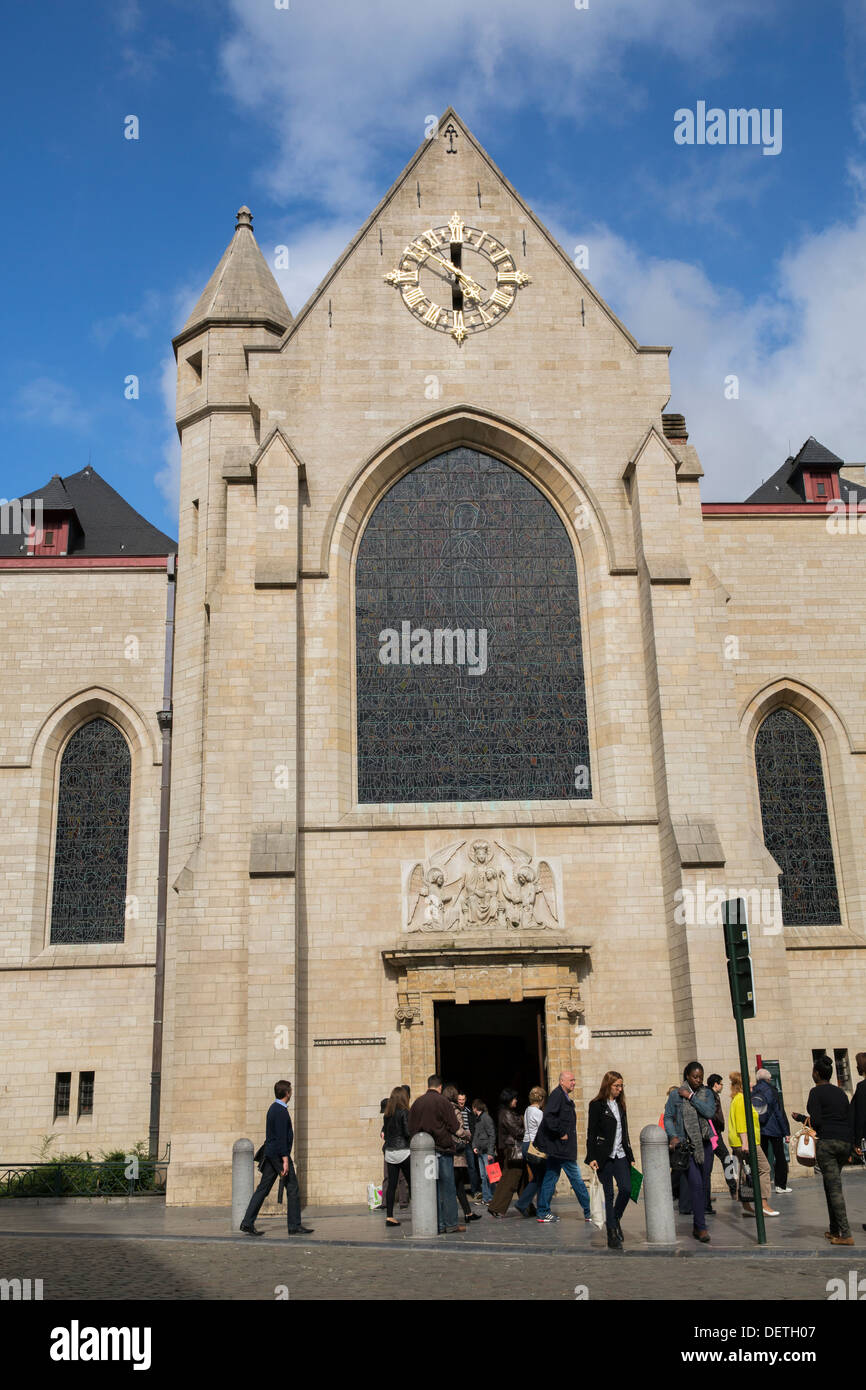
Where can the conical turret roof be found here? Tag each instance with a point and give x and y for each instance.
(242, 289)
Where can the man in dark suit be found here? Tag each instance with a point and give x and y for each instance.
(276, 1162)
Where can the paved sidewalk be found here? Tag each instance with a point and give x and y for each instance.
(796, 1233)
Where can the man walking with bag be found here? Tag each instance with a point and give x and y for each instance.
(275, 1161)
(557, 1137)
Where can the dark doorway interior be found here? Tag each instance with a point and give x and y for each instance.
(485, 1047)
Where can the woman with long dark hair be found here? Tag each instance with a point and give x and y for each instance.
(395, 1129)
(609, 1153)
(510, 1145)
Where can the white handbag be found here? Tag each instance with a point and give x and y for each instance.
(806, 1149)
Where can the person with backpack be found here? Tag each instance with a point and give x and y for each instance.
(740, 1144)
(775, 1130)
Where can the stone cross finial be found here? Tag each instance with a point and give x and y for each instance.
(245, 217)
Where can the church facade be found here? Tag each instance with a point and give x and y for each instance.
(477, 714)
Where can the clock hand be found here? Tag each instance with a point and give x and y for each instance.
(472, 289)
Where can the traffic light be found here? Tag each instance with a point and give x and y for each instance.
(739, 959)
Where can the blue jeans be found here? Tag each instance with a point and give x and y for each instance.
(446, 1191)
(537, 1169)
(486, 1190)
(569, 1167)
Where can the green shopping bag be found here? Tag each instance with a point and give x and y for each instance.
(636, 1181)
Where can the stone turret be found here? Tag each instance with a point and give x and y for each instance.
(242, 289)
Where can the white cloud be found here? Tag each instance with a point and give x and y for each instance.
(50, 402)
(340, 84)
(312, 250)
(796, 349)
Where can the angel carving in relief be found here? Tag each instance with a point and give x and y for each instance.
(529, 893)
(430, 897)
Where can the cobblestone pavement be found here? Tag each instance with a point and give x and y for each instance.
(103, 1268)
(142, 1249)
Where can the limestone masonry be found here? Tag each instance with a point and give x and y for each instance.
(298, 914)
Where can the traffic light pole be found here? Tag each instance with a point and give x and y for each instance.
(750, 1120)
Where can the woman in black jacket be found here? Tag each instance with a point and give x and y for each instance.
(608, 1151)
(510, 1145)
(395, 1132)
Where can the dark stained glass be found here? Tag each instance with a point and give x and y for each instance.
(92, 835)
(462, 546)
(794, 814)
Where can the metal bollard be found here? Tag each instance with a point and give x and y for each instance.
(422, 1168)
(658, 1201)
(242, 1179)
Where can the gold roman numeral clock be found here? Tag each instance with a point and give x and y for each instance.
(471, 270)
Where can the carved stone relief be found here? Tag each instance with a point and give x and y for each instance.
(481, 885)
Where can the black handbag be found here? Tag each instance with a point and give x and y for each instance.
(747, 1185)
(259, 1154)
(681, 1156)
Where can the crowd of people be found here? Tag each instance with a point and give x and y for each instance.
(522, 1156)
(694, 1122)
(519, 1158)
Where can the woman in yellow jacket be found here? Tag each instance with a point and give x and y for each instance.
(739, 1142)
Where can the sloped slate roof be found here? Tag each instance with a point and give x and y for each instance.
(785, 485)
(242, 287)
(104, 523)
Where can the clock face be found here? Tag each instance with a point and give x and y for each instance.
(457, 279)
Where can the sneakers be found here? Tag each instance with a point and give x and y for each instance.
(547, 1220)
(783, 1189)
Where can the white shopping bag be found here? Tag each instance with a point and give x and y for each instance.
(596, 1200)
(374, 1195)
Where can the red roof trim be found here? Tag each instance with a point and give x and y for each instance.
(792, 509)
(88, 562)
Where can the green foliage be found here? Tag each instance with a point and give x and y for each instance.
(82, 1175)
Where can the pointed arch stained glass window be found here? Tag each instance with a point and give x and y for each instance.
(470, 682)
(795, 820)
(91, 843)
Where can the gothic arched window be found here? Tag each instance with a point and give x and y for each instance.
(794, 815)
(470, 680)
(90, 848)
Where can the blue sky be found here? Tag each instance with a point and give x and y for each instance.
(748, 264)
